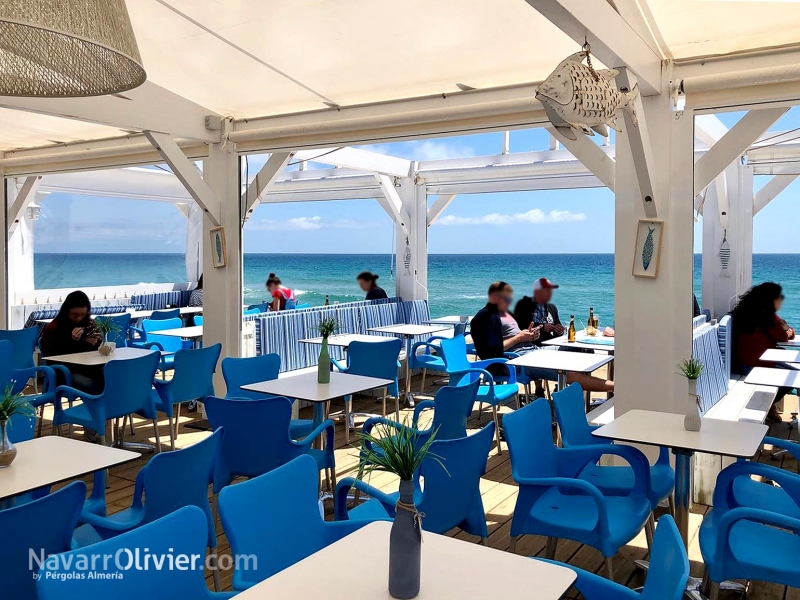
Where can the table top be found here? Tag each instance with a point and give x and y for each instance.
(578, 362)
(408, 330)
(774, 377)
(446, 563)
(582, 340)
(345, 339)
(306, 387)
(51, 459)
(93, 357)
(795, 343)
(195, 331)
(785, 356)
(739, 439)
(448, 320)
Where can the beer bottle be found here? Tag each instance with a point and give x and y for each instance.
(571, 330)
(590, 323)
(327, 300)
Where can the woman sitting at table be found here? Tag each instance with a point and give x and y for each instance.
(756, 328)
(73, 331)
(279, 292)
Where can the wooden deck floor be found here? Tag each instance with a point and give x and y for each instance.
(499, 495)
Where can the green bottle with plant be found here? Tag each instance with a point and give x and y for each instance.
(327, 327)
(691, 369)
(11, 405)
(108, 328)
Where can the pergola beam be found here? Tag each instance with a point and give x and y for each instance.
(733, 144)
(590, 154)
(148, 107)
(437, 208)
(187, 173)
(770, 191)
(612, 39)
(708, 129)
(25, 196)
(391, 202)
(355, 158)
(263, 180)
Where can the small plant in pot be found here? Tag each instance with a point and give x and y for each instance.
(691, 369)
(11, 405)
(327, 327)
(400, 452)
(108, 328)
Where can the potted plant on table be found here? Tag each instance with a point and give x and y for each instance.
(400, 451)
(327, 327)
(11, 404)
(691, 369)
(108, 328)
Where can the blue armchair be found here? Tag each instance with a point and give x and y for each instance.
(148, 338)
(431, 359)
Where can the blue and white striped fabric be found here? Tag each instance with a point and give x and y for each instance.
(161, 300)
(51, 313)
(698, 321)
(726, 342)
(713, 383)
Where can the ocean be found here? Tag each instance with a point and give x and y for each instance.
(456, 282)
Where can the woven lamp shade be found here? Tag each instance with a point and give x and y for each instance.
(67, 48)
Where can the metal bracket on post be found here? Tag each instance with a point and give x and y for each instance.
(392, 203)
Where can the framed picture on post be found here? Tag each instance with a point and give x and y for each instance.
(647, 254)
(219, 256)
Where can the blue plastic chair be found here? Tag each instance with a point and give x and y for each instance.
(491, 392)
(257, 438)
(431, 359)
(666, 579)
(181, 533)
(149, 339)
(263, 307)
(251, 311)
(24, 341)
(743, 542)
(197, 320)
(128, 390)
(303, 305)
(20, 429)
(44, 526)
(276, 518)
(193, 379)
(554, 502)
(243, 371)
(451, 495)
(9, 372)
(612, 481)
(372, 359)
(169, 313)
(124, 324)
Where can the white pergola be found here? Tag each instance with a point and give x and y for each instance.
(289, 79)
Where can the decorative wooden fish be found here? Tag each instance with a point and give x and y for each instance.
(647, 250)
(578, 98)
(725, 255)
(218, 247)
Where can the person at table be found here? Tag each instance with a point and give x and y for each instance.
(196, 297)
(368, 282)
(495, 331)
(539, 310)
(756, 328)
(279, 292)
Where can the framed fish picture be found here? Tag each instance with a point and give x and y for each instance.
(219, 255)
(647, 255)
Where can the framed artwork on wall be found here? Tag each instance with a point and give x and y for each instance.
(219, 256)
(647, 256)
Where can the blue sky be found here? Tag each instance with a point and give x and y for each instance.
(559, 221)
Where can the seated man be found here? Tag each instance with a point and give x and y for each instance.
(495, 331)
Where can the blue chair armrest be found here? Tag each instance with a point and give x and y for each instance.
(730, 518)
(65, 391)
(326, 427)
(428, 346)
(147, 345)
(137, 331)
(64, 373)
(790, 482)
(370, 424)
(575, 484)
(580, 456)
(105, 523)
(791, 447)
(483, 364)
(343, 487)
(338, 365)
(480, 372)
(419, 409)
(23, 375)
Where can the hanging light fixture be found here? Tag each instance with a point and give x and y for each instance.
(67, 48)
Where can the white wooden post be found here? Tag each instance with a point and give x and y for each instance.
(412, 249)
(194, 243)
(222, 286)
(9, 192)
(728, 214)
(654, 316)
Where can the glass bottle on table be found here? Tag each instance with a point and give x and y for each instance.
(590, 322)
(571, 330)
(327, 300)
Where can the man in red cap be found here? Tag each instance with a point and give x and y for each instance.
(540, 311)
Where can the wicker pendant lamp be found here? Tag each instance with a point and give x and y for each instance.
(67, 48)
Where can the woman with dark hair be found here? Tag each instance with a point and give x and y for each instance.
(280, 293)
(756, 328)
(367, 281)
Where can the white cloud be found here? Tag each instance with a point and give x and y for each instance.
(307, 224)
(535, 216)
(424, 150)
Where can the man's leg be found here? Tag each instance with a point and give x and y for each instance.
(589, 383)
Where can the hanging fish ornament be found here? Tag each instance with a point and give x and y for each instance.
(647, 249)
(725, 255)
(578, 98)
(218, 247)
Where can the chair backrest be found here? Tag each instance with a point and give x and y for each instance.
(256, 435)
(290, 304)
(124, 323)
(275, 516)
(571, 416)
(374, 359)
(169, 343)
(197, 320)
(666, 580)
(460, 329)
(242, 371)
(303, 305)
(194, 373)
(529, 435)
(452, 474)
(712, 385)
(171, 313)
(20, 428)
(43, 527)
(452, 407)
(129, 385)
(454, 353)
(263, 307)
(24, 342)
(181, 478)
(7, 369)
(181, 533)
(725, 338)
(251, 311)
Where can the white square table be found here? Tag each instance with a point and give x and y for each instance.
(584, 341)
(795, 343)
(408, 332)
(52, 459)
(187, 333)
(781, 356)
(93, 358)
(306, 387)
(448, 568)
(562, 362)
(774, 377)
(345, 339)
(738, 439)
